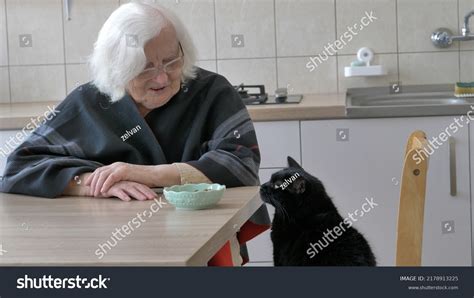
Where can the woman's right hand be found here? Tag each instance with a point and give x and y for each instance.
(126, 190)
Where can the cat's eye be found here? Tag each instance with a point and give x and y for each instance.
(277, 184)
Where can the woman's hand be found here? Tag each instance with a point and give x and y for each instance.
(126, 190)
(103, 178)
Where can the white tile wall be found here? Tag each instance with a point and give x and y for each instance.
(279, 37)
(417, 19)
(250, 71)
(293, 71)
(3, 35)
(464, 7)
(380, 34)
(81, 30)
(253, 19)
(304, 27)
(198, 17)
(42, 21)
(429, 68)
(44, 83)
(467, 66)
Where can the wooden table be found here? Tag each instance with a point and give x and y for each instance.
(67, 231)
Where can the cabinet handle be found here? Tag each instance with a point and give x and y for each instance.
(66, 9)
(452, 166)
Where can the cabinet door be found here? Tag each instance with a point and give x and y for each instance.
(277, 140)
(363, 158)
(260, 248)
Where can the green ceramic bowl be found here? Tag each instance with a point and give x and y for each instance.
(194, 196)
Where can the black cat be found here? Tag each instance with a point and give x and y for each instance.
(306, 221)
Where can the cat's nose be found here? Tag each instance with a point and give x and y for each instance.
(265, 186)
(265, 189)
(264, 192)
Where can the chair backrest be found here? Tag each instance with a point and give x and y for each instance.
(412, 201)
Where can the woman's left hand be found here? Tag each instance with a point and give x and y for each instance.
(103, 178)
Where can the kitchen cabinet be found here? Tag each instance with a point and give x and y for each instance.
(363, 158)
(260, 248)
(277, 140)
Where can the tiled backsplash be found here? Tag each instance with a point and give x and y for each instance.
(43, 54)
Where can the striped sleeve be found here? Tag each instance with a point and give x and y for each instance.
(44, 164)
(231, 156)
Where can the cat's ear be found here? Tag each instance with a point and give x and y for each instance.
(298, 186)
(293, 163)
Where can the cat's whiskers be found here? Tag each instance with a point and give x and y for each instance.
(283, 210)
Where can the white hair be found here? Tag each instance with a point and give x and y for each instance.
(119, 55)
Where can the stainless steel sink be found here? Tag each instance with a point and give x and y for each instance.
(415, 100)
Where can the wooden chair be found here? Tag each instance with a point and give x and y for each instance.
(412, 201)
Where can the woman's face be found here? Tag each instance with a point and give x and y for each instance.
(155, 90)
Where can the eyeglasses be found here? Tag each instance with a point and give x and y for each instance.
(169, 68)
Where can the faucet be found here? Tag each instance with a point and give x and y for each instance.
(465, 30)
(443, 37)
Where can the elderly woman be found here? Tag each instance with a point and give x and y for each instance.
(149, 118)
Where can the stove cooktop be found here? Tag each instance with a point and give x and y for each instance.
(256, 95)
